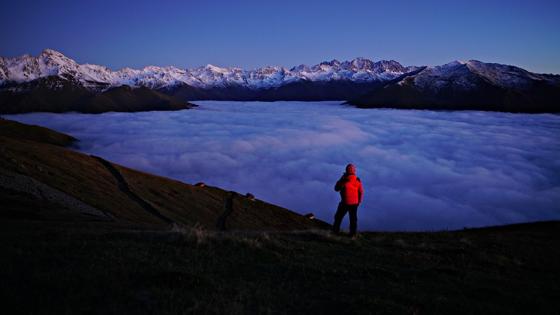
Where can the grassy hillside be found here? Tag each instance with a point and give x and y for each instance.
(106, 269)
(82, 235)
(16, 130)
(41, 171)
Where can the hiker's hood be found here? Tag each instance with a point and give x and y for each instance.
(350, 169)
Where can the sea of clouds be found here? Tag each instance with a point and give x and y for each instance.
(422, 170)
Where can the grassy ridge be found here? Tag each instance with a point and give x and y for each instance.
(68, 268)
(14, 129)
(28, 152)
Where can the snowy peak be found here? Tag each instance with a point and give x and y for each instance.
(362, 64)
(51, 63)
(508, 76)
(215, 69)
(467, 75)
(434, 78)
(55, 57)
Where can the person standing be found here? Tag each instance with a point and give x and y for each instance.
(351, 193)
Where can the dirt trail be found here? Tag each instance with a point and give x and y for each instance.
(123, 186)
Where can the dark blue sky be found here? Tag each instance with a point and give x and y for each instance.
(255, 33)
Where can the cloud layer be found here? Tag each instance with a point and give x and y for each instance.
(422, 170)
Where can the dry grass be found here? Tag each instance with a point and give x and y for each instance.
(190, 269)
(87, 179)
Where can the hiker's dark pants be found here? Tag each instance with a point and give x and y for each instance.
(341, 212)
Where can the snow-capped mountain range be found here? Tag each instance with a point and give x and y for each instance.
(53, 63)
(53, 82)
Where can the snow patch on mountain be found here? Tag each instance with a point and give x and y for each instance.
(508, 76)
(455, 73)
(466, 75)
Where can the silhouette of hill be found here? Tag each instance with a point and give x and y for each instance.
(59, 94)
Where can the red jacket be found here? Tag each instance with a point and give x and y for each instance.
(351, 190)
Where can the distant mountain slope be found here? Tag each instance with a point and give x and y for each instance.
(42, 181)
(295, 91)
(469, 85)
(59, 94)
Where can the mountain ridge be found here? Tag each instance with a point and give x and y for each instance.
(468, 85)
(51, 62)
(55, 83)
